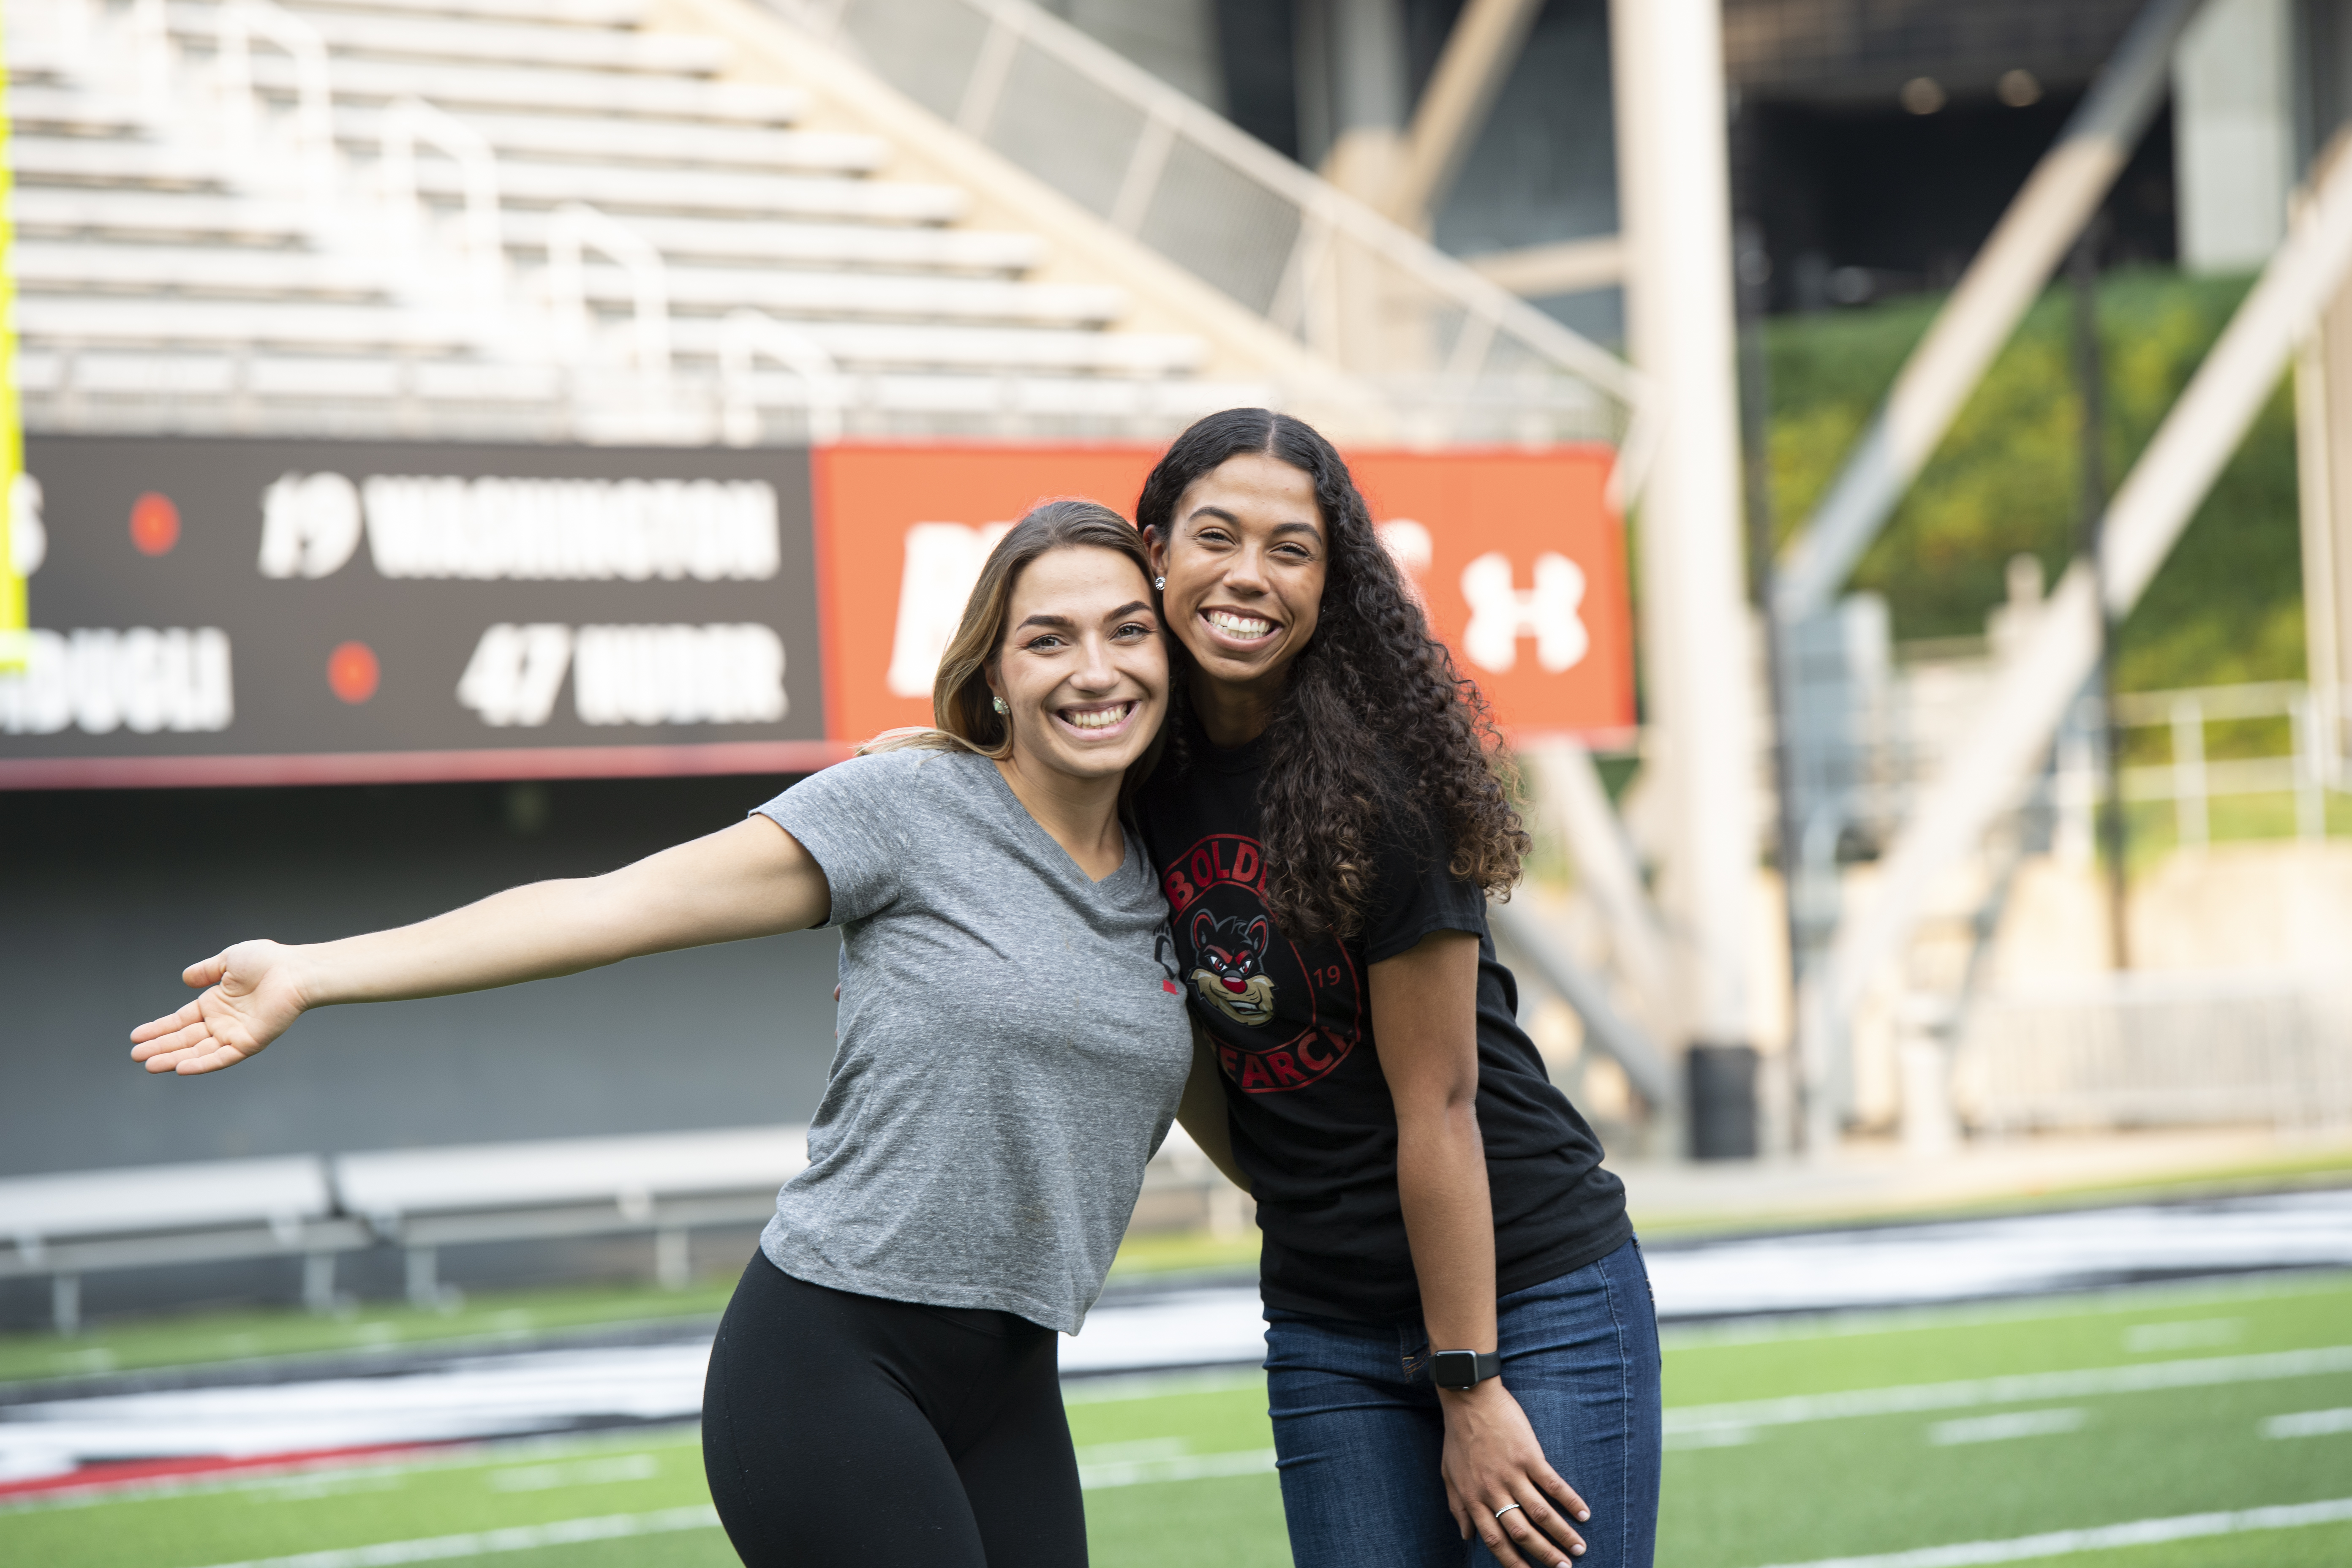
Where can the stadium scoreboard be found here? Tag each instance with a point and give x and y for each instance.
(240, 611)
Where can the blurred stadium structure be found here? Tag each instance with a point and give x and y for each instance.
(903, 263)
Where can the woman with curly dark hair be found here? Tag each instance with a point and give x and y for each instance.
(1460, 1340)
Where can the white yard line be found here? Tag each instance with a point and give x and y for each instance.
(2309, 1424)
(2205, 1372)
(664, 1521)
(2101, 1538)
(1177, 1467)
(483, 1542)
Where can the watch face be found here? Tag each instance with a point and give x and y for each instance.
(1454, 1369)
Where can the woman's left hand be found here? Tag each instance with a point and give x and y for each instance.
(1492, 1461)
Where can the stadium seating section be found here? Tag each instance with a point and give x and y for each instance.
(537, 219)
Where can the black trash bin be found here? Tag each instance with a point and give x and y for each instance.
(1722, 1102)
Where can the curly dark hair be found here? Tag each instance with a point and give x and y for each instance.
(1376, 732)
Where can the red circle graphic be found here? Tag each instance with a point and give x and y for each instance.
(155, 524)
(352, 672)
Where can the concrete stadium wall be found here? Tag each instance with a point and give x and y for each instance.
(106, 895)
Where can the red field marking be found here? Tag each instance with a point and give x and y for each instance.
(124, 1473)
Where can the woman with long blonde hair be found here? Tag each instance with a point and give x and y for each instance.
(1012, 1050)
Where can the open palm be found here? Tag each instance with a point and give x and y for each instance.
(250, 997)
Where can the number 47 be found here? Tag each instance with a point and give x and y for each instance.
(515, 673)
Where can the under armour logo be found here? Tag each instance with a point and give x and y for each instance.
(1502, 613)
(943, 561)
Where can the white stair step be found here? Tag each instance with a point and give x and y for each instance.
(50, 268)
(821, 294)
(560, 13)
(438, 37)
(83, 112)
(1000, 349)
(622, 191)
(1080, 397)
(323, 376)
(60, 210)
(956, 249)
(33, 60)
(672, 143)
(43, 318)
(456, 84)
(157, 215)
(120, 374)
(75, 160)
(89, 160)
(296, 324)
(47, 267)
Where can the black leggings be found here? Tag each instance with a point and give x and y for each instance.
(840, 1428)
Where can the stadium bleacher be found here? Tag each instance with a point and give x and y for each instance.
(195, 255)
(315, 1207)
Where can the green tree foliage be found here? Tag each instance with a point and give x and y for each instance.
(2227, 606)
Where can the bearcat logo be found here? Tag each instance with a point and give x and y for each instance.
(1268, 1005)
(1231, 977)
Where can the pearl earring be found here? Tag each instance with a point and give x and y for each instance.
(1159, 582)
(998, 703)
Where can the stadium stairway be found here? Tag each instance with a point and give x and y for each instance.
(558, 219)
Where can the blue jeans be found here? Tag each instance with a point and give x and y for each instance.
(1357, 1433)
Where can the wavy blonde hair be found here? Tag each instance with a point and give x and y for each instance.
(964, 718)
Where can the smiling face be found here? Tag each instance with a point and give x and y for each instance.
(1244, 556)
(1082, 666)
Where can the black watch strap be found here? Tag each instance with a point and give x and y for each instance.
(1464, 1370)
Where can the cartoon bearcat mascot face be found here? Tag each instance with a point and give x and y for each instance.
(1232, 976)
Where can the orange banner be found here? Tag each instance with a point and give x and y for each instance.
(1520, 563)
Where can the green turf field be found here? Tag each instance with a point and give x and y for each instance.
(1798, 1443)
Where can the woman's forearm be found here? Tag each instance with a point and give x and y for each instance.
(1202, 1111)
(1448, 1222)
(523, 933)
(750, 880)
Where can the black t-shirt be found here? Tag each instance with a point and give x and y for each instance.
(1313, 1123)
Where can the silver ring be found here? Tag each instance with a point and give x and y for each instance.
(1504, 1509)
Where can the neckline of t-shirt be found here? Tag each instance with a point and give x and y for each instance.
(1011, 801)
(1247, 758)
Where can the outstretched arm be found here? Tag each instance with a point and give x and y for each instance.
(750, 880)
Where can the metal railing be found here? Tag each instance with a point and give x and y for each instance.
(1869, 742)
(252, 135)
(480, 251)
(2151, 1049)
(459, 267)
(1455, 357)
(576, 228)
(2192, 781)
(750, 334)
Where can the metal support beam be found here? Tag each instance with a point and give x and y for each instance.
(672, 1256)
(2323, 400)
(1453, 108)
(2041, 678)
(2059, 196)
(424, 1277)
(1673, 158)
(319, 1281)
(1605, 864)
(1563, 266)
(1545, 956)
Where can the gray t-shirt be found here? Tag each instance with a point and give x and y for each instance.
(1012, 1047)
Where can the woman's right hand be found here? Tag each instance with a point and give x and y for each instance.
(251, 995)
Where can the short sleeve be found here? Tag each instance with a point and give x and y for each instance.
(1415, 894)
(850, 817)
